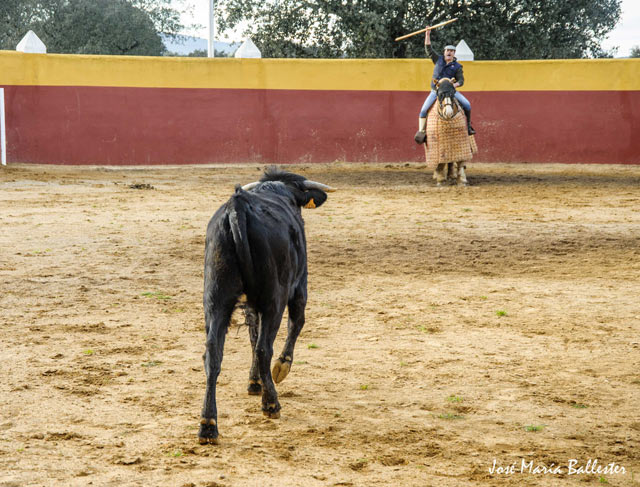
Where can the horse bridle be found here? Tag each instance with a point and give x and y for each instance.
(447, 101)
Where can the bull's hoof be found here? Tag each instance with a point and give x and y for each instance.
(281, 369)
(254, 388)
(208, 434)
(207, 441)
(271, 410)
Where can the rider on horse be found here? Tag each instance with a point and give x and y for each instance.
(446, 66)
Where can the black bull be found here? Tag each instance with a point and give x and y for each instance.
(256, 246)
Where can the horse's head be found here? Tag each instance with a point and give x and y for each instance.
(447, 107)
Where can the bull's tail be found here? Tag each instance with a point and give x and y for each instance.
(238, 221)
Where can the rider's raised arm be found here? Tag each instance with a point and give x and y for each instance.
(428, 48)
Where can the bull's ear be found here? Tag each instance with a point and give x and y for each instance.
(313, 198)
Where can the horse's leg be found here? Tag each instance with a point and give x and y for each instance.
(462, 176)
(452, 172)
(441, 174)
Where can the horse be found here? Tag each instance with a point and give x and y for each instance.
(449, 146)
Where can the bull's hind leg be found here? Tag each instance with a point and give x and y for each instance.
(222, 288)
(297, 305)
(253, 322)
(270, 322)
(217, 317)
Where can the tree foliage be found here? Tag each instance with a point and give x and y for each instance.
(510, 29)
(104, 27)
(165, 14)
(203, 53)
(635, 51)
(15, 15)
(91, 26)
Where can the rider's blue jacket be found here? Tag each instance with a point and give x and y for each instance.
(442, 69)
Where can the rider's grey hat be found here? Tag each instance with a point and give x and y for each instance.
(450, 46)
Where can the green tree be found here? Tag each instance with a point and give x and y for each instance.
(15, 16)
(200, 53)
(113, 33)
(104, 27)
(635, 51)
(165, 14)
(511, 29)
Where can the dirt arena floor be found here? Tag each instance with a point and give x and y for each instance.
(447, 329)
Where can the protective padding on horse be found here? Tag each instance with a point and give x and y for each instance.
(474, 146)
(448, 140)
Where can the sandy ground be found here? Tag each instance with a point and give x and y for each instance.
(446, 328)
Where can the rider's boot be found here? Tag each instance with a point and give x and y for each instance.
(421, 134)
(469, 127)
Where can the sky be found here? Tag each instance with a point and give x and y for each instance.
(625, 35)
(627, 32)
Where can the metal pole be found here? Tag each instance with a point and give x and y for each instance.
(3, 131)
(212, 28)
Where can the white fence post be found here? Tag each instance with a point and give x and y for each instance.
(31, 43)
(464, 52)
(3, 131)
(248, 50)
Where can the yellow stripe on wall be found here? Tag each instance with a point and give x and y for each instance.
(553, 75)
(311, 74)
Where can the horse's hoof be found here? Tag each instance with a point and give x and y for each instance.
(268, 414)
(280, 370)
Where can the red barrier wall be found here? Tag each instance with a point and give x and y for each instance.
(78, 124)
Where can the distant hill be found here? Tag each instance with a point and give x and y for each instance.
(185, 45)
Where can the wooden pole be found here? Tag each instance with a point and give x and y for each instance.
(426, 29)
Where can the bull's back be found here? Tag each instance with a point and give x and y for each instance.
(277, 242)
(259, 239)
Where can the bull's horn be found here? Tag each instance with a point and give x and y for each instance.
(249, 186)
(314, 185)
